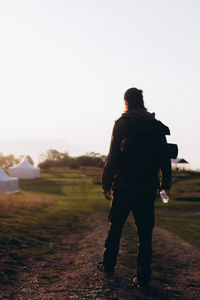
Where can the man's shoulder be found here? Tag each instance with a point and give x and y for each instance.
(120, 126)
(143, 123)
(121, 121)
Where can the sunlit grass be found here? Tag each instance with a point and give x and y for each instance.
(44, 213)
(93, 172)
(22, 202)
(49, 208)
(186, 186)
(187, 228)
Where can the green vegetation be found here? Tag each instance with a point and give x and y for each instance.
(56, 159)
(25, 233)
(187, 228)
(186, 186)
(181, 218)
(50, 208)
(181, 214)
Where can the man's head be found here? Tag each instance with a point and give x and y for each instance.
(134, 99)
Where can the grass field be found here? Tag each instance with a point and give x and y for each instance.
(183, 210)
(60, 201)
(49, 208)
(185, 198)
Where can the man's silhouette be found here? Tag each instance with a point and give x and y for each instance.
(135, 162)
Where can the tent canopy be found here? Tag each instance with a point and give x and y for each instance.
(179, 161)
(7, 183)
(24, 170)
(25, 164)
(4, 176)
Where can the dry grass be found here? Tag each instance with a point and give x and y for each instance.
(61, 170)
(13, 203)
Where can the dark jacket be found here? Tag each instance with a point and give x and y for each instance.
(141, 125)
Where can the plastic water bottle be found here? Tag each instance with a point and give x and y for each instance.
(164, 197)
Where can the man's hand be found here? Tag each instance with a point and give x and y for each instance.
(107, 195)
(166, 190)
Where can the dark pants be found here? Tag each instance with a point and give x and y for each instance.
(141, 203)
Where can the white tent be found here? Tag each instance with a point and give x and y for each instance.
(24, 170)
(8, 184)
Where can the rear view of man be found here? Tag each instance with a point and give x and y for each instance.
(134, 164)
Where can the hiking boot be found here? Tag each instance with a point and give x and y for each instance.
(141, 284)
(107, 269)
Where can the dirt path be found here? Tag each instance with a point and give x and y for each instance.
(180, 256)
(71, 273)
(175, 213)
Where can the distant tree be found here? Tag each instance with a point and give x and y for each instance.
(54, 158)
(47, 164)
(51, 158)
(53, 154)
(44, 165)
(93, 154)
(8, 160)
(91, 159)
(29, 159)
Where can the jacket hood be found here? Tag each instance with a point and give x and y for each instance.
(139, 113)
(145, 122)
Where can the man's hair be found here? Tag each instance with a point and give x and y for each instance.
(134, 98)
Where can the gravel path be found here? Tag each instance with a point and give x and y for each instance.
(176, 254)
(71, 272)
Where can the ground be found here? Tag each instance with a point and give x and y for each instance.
(71, 273)
(52, 236)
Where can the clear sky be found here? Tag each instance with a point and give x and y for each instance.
(65, 64)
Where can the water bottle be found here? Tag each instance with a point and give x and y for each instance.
(164, 197)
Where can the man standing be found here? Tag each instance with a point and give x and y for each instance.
(132, 170)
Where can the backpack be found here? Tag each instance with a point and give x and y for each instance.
(144, 147)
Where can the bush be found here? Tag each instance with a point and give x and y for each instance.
(74, 165)
(53, 158)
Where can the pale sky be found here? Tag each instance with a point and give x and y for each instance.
(64, 67)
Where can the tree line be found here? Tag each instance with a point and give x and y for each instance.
(53, 158)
